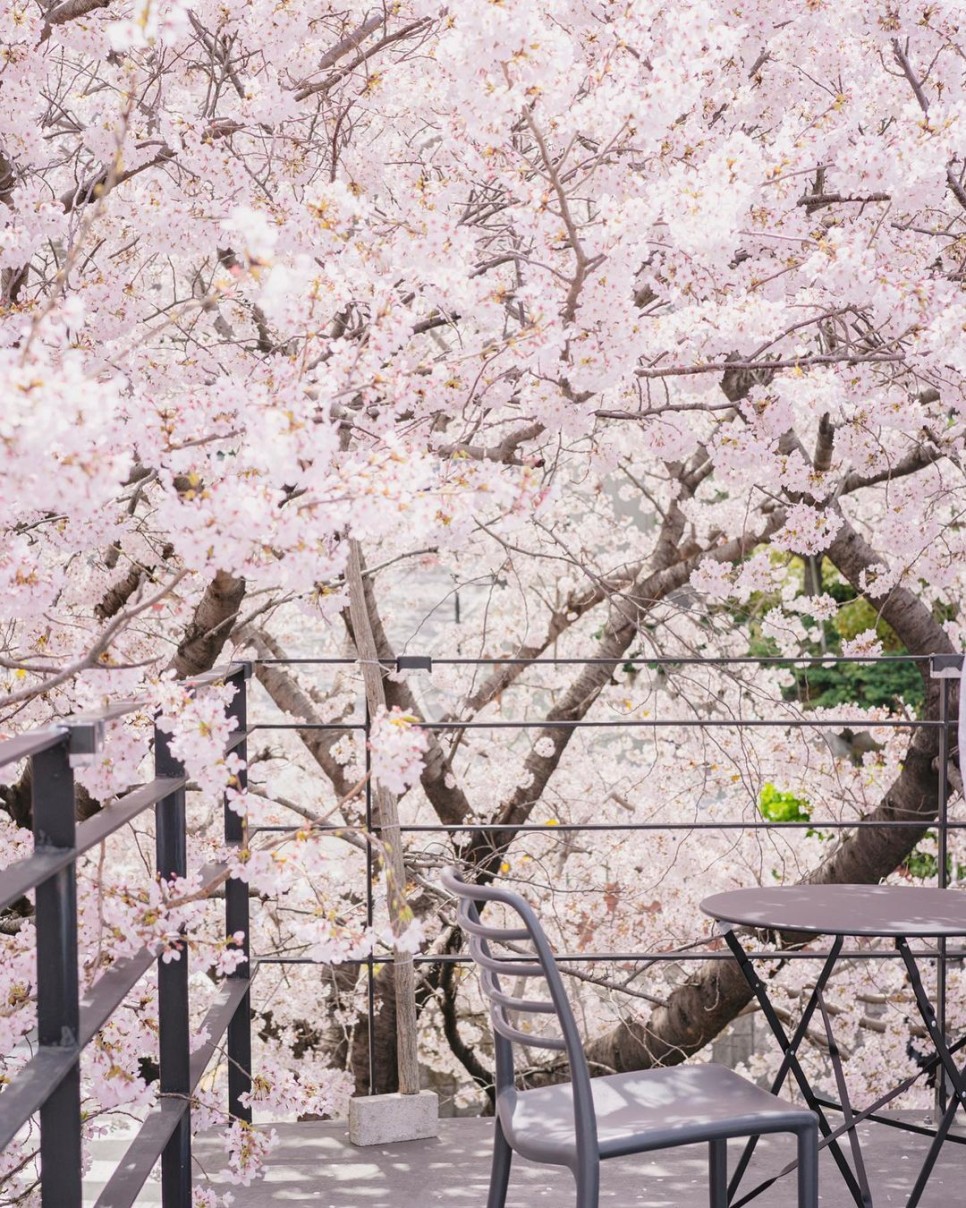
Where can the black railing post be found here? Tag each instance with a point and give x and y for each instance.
(237, 918)
(370, 911)
(942, 872)
(173, 1019)
(58, 1014)
(943, 854)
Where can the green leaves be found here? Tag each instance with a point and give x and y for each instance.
(776, 806)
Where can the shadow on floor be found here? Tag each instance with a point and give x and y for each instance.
(313, 1164)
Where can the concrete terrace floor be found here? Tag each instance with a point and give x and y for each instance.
(314, 1165)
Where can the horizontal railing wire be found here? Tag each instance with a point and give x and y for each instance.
(771, 954)
(548, 828)
(942, 666)
(664, 660)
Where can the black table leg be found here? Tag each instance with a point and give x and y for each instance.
(789, 1048)
(948, 1067)
(791, 1064)
(848, 1116)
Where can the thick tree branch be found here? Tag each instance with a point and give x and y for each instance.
(843, 358)
(205, 637)
(708, 1000)
(872, 853)
(464, 1053)
(816, 200)
(824, 445)
(69, 10)
(104, 182)
(576, 605)
(292, 699)
(119, 593)
(921, 456)
(485, 850)
(506, 452)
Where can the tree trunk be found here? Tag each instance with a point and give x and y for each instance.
(385, 1050)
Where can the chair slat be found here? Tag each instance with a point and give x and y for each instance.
(493, 934)
(538, 1006)
(518, 1037)
(506, 965)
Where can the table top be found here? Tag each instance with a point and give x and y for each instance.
(872, 910)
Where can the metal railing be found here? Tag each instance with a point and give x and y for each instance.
(946, 668)
(49, 1083)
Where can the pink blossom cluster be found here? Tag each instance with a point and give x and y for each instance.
(397, 746)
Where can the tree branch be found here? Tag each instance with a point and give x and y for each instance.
(920, 457)
(69, 10)
(506, 452)
(353, 40)
(205, 637)
(292, 699)
(486, 848)
(902, 59)
(824, 444)
(846, 358)
(93, 655)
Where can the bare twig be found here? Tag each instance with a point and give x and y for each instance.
(93, 655)
(398, 36)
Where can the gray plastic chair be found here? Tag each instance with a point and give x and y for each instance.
(579, 1123)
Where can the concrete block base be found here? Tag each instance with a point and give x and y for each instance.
(386, 1119)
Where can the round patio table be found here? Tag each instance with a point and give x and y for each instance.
(870, 910)
(894, 912)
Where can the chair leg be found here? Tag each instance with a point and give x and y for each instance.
(588, 1184)
(718, 1173)
(808, 1168)
(500, 1169)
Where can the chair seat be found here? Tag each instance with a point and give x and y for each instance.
(650, 1109)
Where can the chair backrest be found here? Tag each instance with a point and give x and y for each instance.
(535, 960)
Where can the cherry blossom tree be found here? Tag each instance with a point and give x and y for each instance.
(636, 329)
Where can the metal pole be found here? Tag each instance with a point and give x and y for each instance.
(173, 1020)
(58, 1013)
(943, 880)
(237, 919)
(370, 972)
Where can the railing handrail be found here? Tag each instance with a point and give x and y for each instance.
(33, 742)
